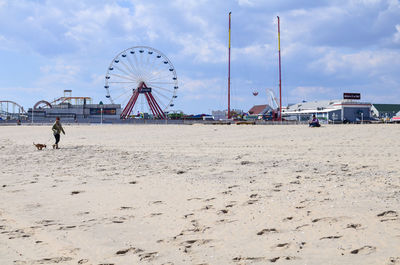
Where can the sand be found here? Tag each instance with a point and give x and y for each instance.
(201, 194)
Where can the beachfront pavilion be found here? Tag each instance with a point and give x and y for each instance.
(329, 110)
(385, 111)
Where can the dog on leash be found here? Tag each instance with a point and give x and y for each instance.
(39, 146)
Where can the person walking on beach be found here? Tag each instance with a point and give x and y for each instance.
(57, 129)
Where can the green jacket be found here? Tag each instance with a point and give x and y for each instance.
(57, 128)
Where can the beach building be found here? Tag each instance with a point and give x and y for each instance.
(81, 111)
(223, 114)
(68, 107)
(219, 114)
(344, 110)
(261, 112)
(385, 111)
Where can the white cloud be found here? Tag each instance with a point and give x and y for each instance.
(396, 36)
(246, 2)
(367, 62)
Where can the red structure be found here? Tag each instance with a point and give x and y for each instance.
(280, 79)
(154, 107)
(229, 69)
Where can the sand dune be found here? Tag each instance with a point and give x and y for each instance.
(201, 194)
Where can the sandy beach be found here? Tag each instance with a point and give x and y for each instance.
(200, 194)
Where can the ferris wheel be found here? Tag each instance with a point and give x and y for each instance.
(144, 80)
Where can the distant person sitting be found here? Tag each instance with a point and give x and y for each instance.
(314, 122)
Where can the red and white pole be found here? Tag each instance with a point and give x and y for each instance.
(280, 77)
(229, 69)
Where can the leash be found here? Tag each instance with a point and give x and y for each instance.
(49, 140)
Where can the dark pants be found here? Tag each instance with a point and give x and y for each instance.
(57, 136)
(314, 124)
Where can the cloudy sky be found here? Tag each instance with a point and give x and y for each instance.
(328, 47)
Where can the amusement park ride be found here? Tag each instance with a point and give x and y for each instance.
(67, 98)
(11, 110)
(144, 80)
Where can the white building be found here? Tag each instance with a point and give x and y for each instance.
(344, 110)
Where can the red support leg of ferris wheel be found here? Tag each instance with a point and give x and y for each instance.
(150, 105)
(128, 108)
(158, 113)
(159, 110)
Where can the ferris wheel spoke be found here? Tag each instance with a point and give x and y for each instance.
(148, 72)
(154, 61)
(164, 89)
(128, 68)
(131, 64)
(166, 83)
(158, 73)
(164, 77)
(147, 60)
(123, 87)
(121, 82)
(123, 77)
(137, 64)
(122, 93)
(161, 103)
(128, 74)
(162, 95)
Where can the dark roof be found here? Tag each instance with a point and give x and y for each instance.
(258, 109)
(387, 107)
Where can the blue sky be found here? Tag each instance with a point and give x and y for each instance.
(328, 47)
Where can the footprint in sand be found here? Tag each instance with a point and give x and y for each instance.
(131, 250)
(388, 214)
(364, 250)
(230, 205)
(282, 245)
(76, 192)
(66, 227)
(155, 214)
(394, 261)
(207, 207)
(223, 211)
(187, 215)
(330, 237)
(126, 208)
(265, 231)
(255, 259)
(196, 198)
(148, 256)
(273, 260)
(188, 244)
(250, 202)
(354, 226)
(53, 260)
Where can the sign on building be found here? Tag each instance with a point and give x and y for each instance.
(108, 111)
(351, 96)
